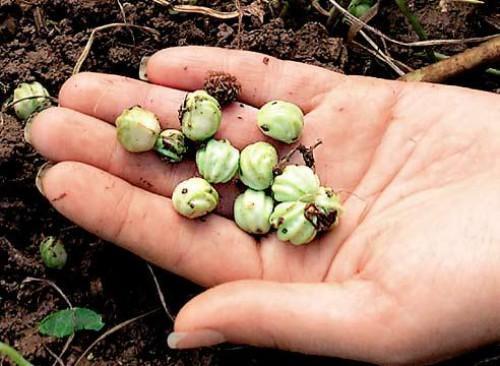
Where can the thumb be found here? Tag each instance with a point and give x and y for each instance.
(343, 320)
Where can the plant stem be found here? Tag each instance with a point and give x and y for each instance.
(491, 70)
(415, 23)
(13, 355)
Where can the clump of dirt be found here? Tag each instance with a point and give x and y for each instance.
(42, 40)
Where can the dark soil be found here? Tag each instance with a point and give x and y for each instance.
(41, 40)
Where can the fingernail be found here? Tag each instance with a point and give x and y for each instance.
(194, 339)
(27, 131)
(143, 68)
(41, 172)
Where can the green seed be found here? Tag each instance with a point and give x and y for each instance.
(200, 116)
(53, 253)
(137, 129)
(325, 210)
(280, 120)
(295, 183)
(289, 220)
(171, 145)
(257, 162)
(252, 211)
(24, 109)
(194, 198)
(218, 161)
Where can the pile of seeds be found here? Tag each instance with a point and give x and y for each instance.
(292, 201)
(288, 199)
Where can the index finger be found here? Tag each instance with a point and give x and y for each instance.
(263, 78)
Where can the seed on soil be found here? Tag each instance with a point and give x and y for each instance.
(25, 101)
(53, 253)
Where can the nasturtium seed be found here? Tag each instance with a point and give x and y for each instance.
(194, 198)
(296, 182)
(257, 162)
(200, 116)
(288, 218)
(137, 129)
(283, 121)
(218, 161)
(252, 210)
(25, 104)
(53, 253)
(171, 145)
(325, 210)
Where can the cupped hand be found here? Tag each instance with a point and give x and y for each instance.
(411, 274)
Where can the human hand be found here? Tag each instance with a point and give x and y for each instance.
(410, 275)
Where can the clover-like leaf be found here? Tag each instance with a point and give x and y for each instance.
(64, 323)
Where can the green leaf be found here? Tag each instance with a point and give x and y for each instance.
(87, 319)
(64, 323)
(58, 324)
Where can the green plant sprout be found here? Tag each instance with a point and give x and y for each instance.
(13, 355)
(64, 323)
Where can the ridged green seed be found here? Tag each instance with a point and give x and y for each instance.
(281, 120)
(359, 8)
(171, 145)
(200, 116)
(257, 162)
(53, 254)
(325, 210)
(296, 183)
(194, 198)
(24, 109)
(137, 129)
(291, 224)
(252, 210)
(218, 161)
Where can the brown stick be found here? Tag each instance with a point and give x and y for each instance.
(484, 54)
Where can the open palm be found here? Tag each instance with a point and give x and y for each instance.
(410, 275)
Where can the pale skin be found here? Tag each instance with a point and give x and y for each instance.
(412, 273)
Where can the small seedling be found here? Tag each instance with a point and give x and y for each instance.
(200, 116)
(137, 129)
(13, 355)
(64, 323)
(252, 211)
(30, 98)
(359, 8)
(194, 198)
(281, 120)
(171, 145)
(257, 162)
(53, 254)
(218, 161)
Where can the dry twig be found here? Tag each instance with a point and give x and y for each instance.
(88, 46)
(484, 54)
(115, 329)
(430, 42)
(203, 10)
(160, 293)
